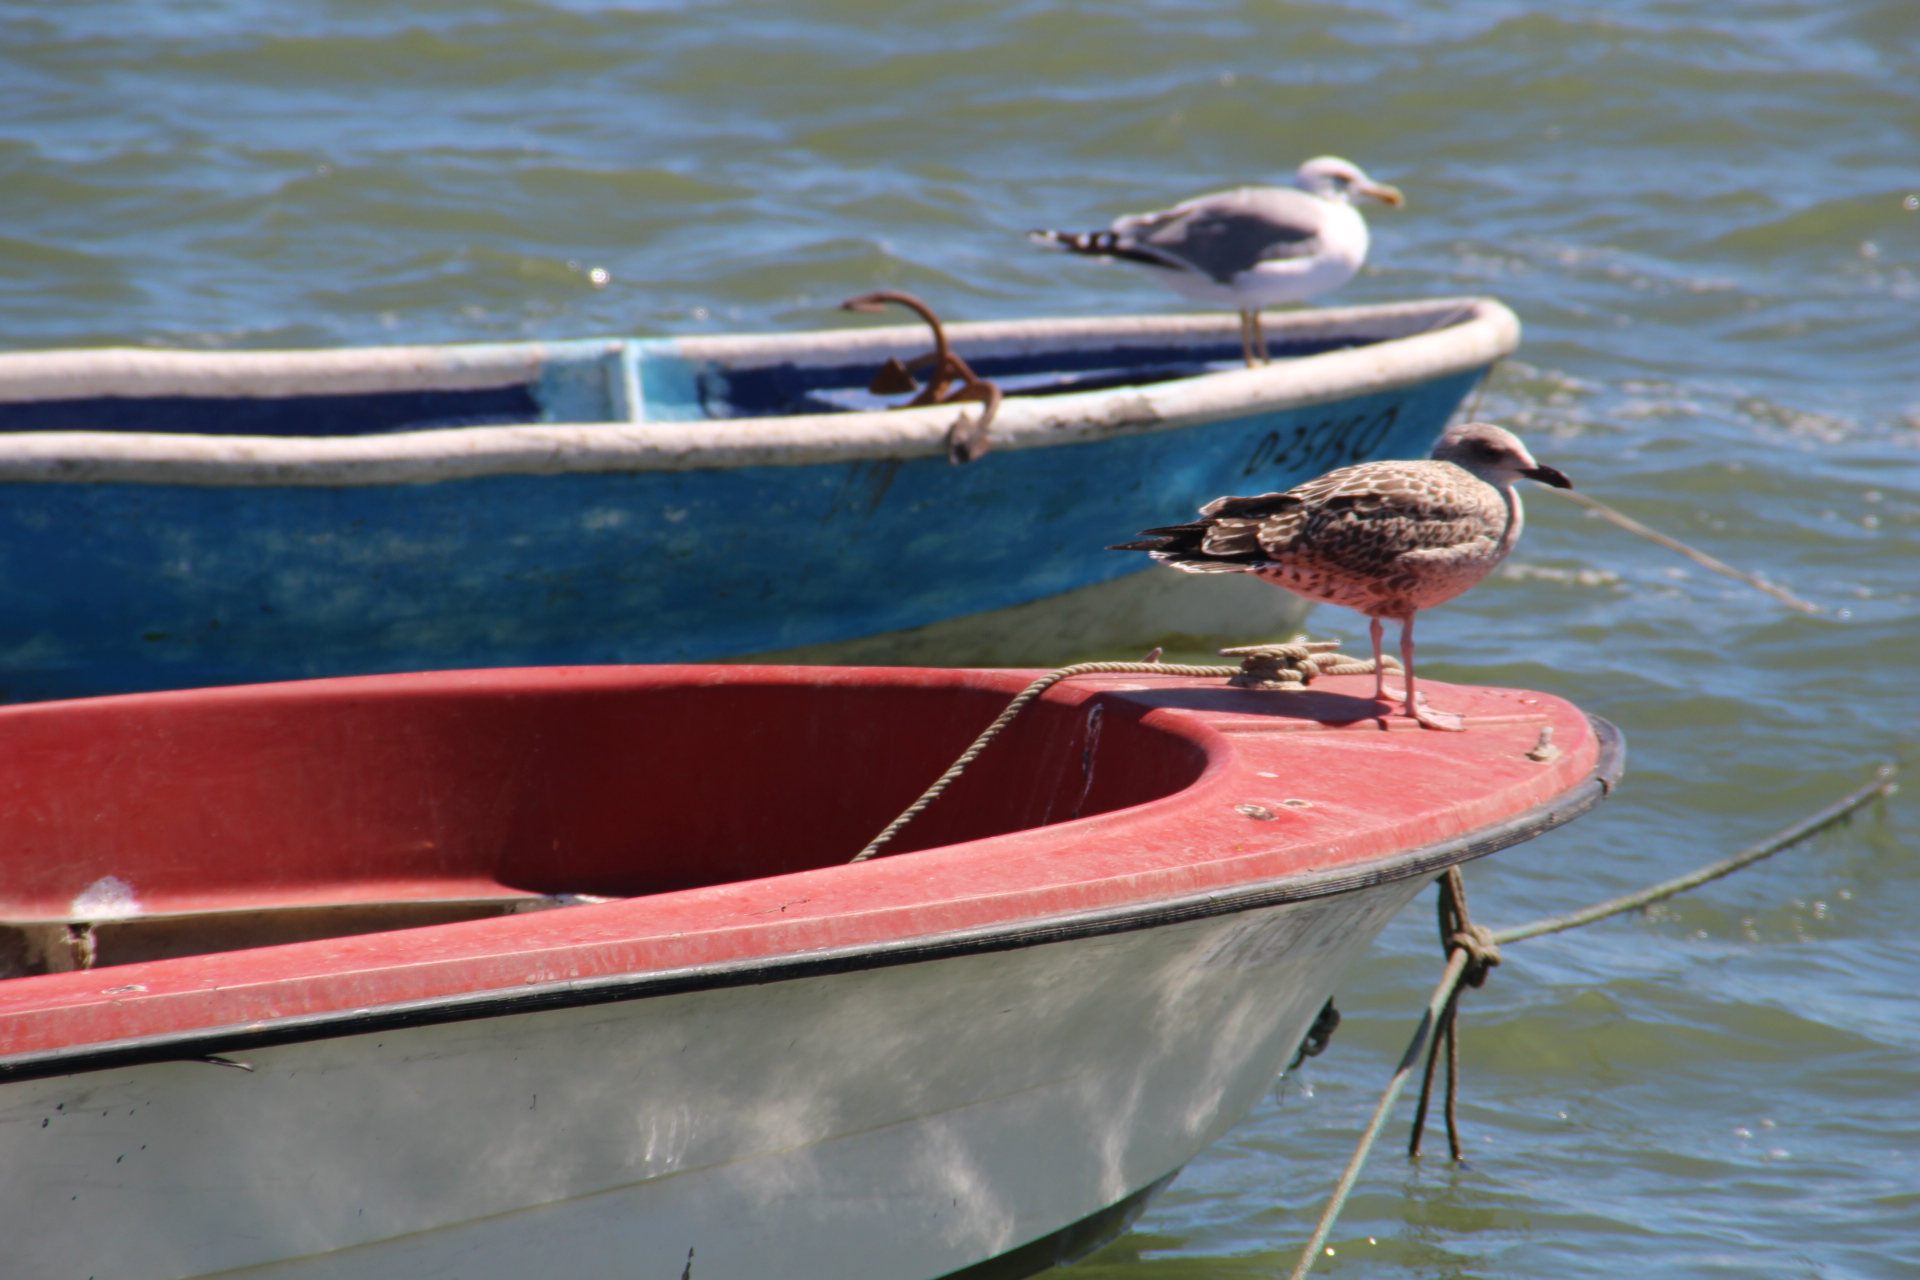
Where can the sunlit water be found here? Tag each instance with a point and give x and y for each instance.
(1704, 213)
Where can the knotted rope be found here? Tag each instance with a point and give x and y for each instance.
(1292, 667)
(1472, 950)
(1471, 947)
(1457, 933)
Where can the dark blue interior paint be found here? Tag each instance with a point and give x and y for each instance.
(768, 391)
(346, 415)
(782, 390)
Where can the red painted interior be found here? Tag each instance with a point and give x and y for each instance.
(337, 792)
(719, 802)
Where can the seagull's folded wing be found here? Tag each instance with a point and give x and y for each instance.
(1220, 236)
(1366, 518)
(1260, 504)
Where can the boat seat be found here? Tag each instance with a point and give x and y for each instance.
(29, 947)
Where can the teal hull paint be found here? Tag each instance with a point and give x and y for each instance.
(126, 587)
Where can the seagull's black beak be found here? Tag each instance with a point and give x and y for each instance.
(1549, 475)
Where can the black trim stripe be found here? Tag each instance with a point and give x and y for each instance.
(1429, 859)
(1070, 1243)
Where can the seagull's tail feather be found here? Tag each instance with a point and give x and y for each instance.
(1098, 244)
(1186, 547)
(1192, 565)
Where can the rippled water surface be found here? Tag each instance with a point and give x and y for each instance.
(1708, 216)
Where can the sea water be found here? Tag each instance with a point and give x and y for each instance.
(1706, 214)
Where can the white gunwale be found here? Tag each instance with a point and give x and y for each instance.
(1412, 343)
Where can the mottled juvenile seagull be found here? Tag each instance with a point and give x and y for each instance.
(1385, 538)
(1251, 248)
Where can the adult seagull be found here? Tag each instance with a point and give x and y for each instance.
(1251, 248)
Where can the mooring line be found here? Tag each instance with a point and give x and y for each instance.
(1701, 558)
(1882, 785)
(1633, 526)
(1293, 665)
(1456, 965)
(1013, 709)
(1460, 958)
(1480, 390)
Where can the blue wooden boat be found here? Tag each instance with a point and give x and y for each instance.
(176, 519)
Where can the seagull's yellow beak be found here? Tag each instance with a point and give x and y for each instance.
(1382, 192)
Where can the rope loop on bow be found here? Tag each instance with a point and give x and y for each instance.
(1472, 948)
(1458, 933)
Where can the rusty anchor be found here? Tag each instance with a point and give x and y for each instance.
(967, 437)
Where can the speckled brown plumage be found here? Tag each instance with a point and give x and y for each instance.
(1384, 538)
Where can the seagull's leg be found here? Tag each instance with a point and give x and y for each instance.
(1260, 336)
(1428, 719)
(1377, 630)
(1246, 337)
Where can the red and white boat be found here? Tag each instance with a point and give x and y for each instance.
(560, 972)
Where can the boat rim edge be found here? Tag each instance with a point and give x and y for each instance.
(1487, 332)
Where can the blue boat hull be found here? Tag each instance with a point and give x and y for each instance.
(116, 587)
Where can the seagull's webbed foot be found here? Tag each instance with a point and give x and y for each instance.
(1429, 718)
(1451, 721)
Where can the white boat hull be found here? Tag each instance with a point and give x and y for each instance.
(897, 1119)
